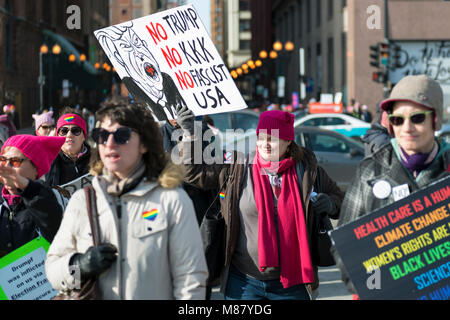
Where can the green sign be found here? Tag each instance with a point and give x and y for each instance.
(22, 273)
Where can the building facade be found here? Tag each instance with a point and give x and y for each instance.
(24, 27)
(335, 36)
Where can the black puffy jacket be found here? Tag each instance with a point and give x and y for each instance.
(64, 169)
(37, 210)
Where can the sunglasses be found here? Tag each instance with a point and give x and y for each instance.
(121, 135)
(63, 131)
(14, 162)
(415, 117)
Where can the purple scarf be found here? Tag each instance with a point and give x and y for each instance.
(417, 162)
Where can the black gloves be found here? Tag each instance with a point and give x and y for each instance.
(185, 119)
(323, 205)
(94, 261)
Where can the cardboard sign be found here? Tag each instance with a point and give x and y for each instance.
(79, 183)
(22, 273)
(167, 59)
(401, 251)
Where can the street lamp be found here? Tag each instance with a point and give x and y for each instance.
(56, 49)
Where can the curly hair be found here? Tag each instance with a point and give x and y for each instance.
(137, 117)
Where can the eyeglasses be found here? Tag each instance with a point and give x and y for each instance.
(63, 131)
(121, 135)
(47, 127)
(415, 117)
(14, 162)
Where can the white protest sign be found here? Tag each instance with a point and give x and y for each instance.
(77, 184)
(22, 273)
(167, 59)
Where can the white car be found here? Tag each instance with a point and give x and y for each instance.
(342, 123)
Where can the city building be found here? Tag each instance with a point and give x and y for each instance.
(218, 26)
(334, 37)
(25, 26)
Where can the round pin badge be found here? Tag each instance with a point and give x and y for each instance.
(381, 189)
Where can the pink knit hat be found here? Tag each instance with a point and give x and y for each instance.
(71, 119)
(41, 150)
(277, 119)
(43, 118)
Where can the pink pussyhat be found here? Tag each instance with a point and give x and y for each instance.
(43, 118)
(41, 150)
(277, 120)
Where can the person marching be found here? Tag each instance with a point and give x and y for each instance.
(150, 241)
(267, 209)
(28, 208)
(73, 160)
(411, 161)
(44, 124)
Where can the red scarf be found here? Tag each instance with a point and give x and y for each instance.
(296, 266)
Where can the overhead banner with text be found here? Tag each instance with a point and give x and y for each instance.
(401, 251)
(167, 59)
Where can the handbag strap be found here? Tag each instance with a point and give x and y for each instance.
(91, 205)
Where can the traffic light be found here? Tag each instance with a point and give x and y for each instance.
(375, 56)
(379, 76)
(396, 56)
(384, 54)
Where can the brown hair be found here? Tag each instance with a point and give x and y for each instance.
(137, 117)
(294, 152)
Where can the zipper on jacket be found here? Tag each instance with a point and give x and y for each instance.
(119, 207)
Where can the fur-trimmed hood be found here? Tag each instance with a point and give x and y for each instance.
(172, 176)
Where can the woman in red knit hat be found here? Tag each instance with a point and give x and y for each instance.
(267, 206)
(73, 160)
(28, 207)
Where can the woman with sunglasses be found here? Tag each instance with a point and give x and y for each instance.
(412, 160)
(151, 246)
(28, 208)
(44, 124)
(73, 160)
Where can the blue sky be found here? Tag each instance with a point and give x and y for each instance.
(203, 9)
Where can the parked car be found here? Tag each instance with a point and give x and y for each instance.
(237, 129)
(342, 123)
(337, 154)
(444, 133)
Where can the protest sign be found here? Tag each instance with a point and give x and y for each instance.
(167, 59)
(401, 251)
(79, 183)
(22, 273)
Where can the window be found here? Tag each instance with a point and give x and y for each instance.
(313, 122)
(222, 121)
(245, 121)
(332, 121)
(244, 5)
(318, 12)
(244, 25)
(244, 44)
(308, 15)
(330, 9)
(137, 13)
(330, 66)
(327, 143)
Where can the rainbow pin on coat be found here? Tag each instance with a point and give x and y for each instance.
(150, 215)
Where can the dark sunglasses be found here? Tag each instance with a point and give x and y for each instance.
(63, 131)
(121, 135)
(14, 162)
(415, 117)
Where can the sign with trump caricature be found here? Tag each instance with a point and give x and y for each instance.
(167, 59)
